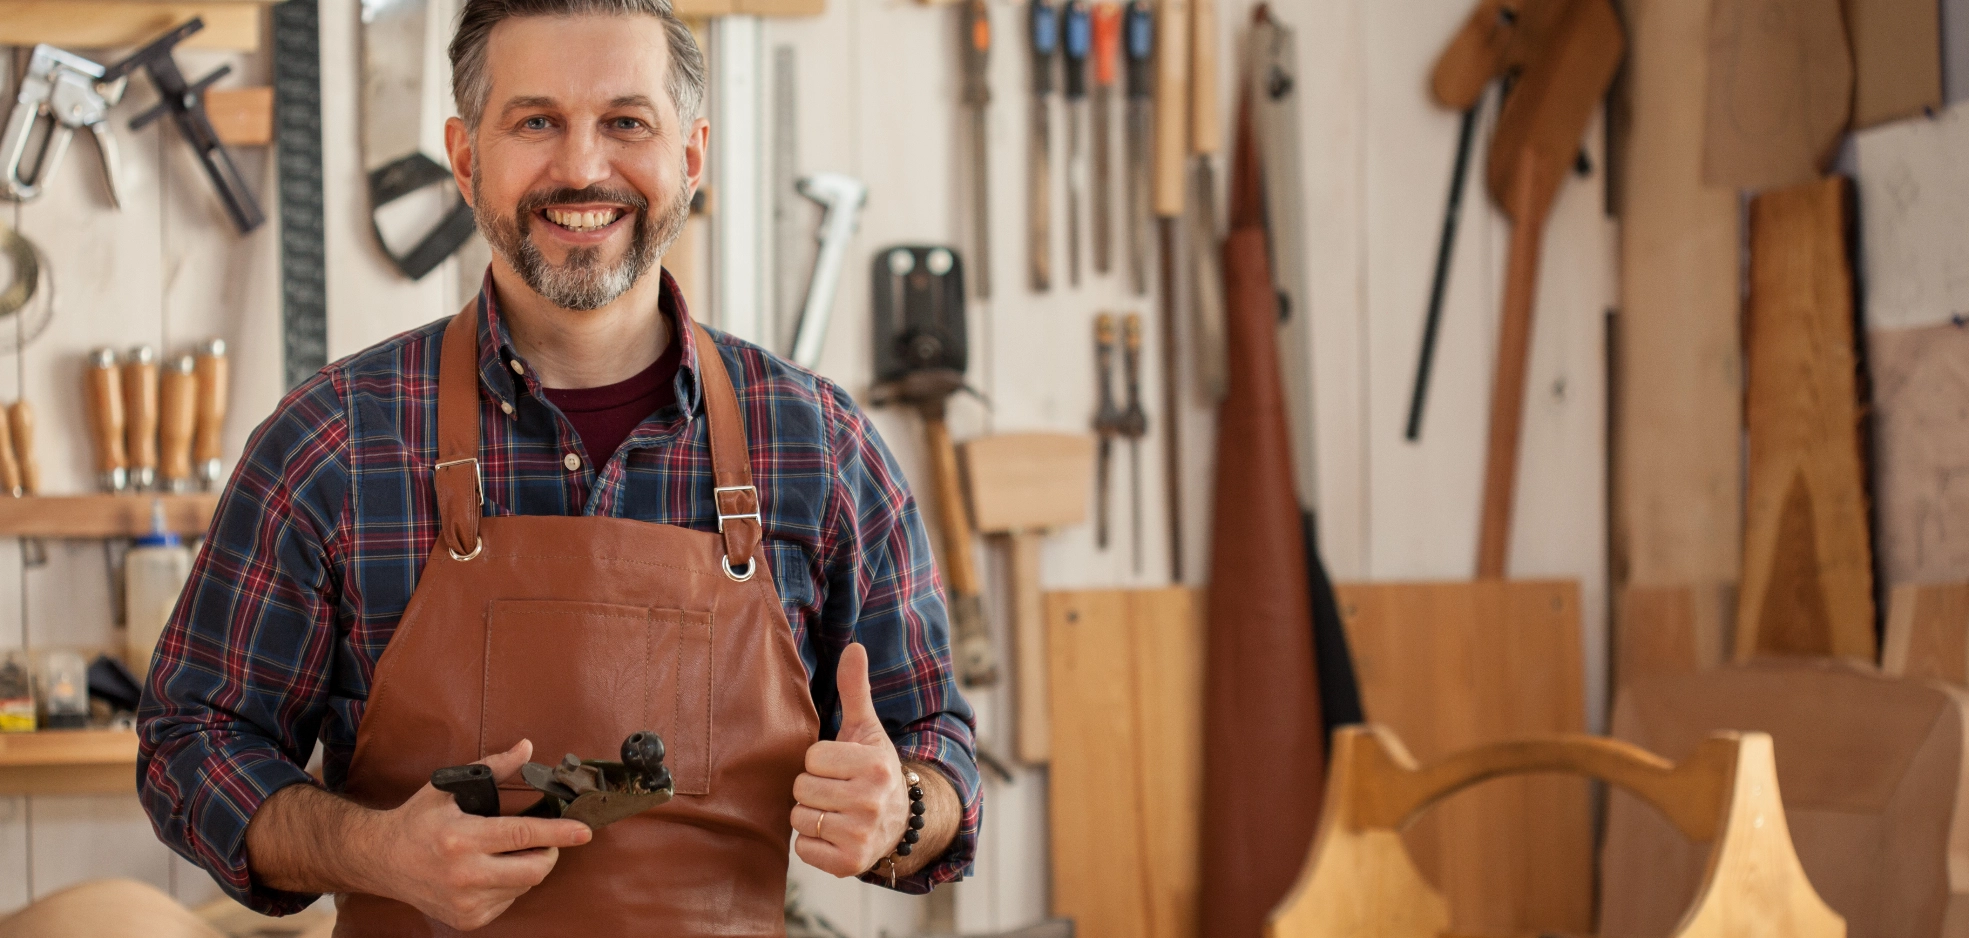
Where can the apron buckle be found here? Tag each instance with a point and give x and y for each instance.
(751, 567)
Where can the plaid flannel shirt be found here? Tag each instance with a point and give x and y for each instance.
(320, 538)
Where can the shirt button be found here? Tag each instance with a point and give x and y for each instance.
(508, 408)
(571, 461)
(518, 368)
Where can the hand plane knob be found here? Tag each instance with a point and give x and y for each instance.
(642, 752)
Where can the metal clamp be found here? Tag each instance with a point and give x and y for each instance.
(722, 517)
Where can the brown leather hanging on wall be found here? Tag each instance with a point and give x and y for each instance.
(1264, 767)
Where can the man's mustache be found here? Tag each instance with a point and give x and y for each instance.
(535, 201)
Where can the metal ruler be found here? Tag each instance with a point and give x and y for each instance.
(297, 137)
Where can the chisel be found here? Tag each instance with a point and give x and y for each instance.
(105, 395)
(176, 422)
(20, 426)
(977, 97)
(1107, 46)
(1138, 41)
(1043, 22)
(140, 416)
(1078, 41)
(213, 381)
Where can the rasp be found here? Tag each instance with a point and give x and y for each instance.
(1138, 41)
(1107, 49)
(976, 43)
(1077, 41)
(1043, 27)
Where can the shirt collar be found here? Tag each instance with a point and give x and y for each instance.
(497, 355)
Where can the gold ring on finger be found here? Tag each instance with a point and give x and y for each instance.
(819, 822)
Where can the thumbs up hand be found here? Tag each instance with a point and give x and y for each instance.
(853, 802)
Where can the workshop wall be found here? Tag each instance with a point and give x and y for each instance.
(878, 91)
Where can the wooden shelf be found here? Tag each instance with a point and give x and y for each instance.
(68, 762)
(79, 25)
(104, 516)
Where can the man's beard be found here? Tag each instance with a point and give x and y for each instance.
(581, 282)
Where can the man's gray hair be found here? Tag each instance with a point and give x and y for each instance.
(471, 85)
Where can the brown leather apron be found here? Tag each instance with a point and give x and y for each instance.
(574, 632)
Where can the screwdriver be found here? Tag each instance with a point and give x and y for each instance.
(213, 386)
(1079, 40)
(1044, 21)
(140, 416)
(1107, 45)
(178, 416)
(1138, 41)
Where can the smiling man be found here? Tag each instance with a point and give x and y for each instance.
(565, 514)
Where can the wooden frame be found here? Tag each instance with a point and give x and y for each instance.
(118, 24)
(68, 762)
(93, 516)
(1360, 880)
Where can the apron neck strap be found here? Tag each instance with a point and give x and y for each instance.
(461, 483)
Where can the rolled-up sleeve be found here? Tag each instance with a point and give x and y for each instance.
(237, 689)
(883, 592)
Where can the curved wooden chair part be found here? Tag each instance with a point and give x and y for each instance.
(107, 908)
(1359, 881)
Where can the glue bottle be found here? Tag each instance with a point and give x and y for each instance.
(154, 573)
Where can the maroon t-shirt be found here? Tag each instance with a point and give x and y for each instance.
(605, 416)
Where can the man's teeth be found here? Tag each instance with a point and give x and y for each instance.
(583, 221)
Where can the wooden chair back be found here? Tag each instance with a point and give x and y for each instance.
(1359, 881)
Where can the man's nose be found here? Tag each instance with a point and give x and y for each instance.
(581, 160)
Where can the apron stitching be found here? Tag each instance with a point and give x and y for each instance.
(485, 678)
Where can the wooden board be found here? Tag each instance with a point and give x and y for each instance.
(1127, 691)
(1913, 197)
(68, 762)
(1921, 452)
(1780, 91)
(243, 117)
(1449, 666)
(1871, 772)
(1028, 481)
(1897, 58)
(1677, 431)
(1671, 629)
(1928, 632)
(1808, 567)
(118, 24)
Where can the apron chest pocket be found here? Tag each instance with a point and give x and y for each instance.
(578, 677)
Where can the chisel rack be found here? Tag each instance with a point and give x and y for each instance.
(103, 516)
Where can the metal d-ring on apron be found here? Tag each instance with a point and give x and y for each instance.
(581, 630)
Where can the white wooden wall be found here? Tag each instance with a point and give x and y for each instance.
(878, 82)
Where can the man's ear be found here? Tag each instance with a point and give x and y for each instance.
(458, 146)
(696, 146)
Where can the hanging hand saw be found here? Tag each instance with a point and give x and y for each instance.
(413, 204)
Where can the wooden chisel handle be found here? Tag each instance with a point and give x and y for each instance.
(140, 415)
(1172, 100)
(21, 422)
(10, 467)
(1206, 130)
(213, 380)
(177, 420)
(105, 392)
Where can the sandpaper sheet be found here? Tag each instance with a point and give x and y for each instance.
(1921, 452)
(1780, 91)
(1914, 216)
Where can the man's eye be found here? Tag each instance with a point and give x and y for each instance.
(534, 123)
(627, 123)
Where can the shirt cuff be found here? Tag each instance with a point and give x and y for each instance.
(229, 793)
(954, 760)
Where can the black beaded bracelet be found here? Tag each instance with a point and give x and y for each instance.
(915, 831)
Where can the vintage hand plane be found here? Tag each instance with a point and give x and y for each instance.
(592, 791)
